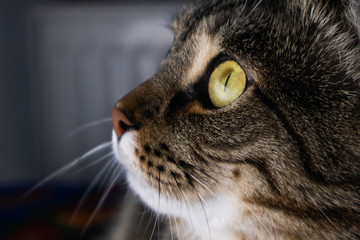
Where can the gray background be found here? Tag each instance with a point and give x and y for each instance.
(63, 64)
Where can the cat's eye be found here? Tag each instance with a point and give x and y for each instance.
(227, 82)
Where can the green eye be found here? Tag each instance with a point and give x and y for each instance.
(227, 83)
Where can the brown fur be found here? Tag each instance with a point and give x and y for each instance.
(289, 146)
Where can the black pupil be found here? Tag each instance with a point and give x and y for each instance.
(227, 80)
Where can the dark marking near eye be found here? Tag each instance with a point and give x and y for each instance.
(142, 158)
(157, 153)
(161, 168)
(226, 82)
(197, 91)
(236, 173)
(149, 163)
(147, 148)
(163, 146)
(170, 159)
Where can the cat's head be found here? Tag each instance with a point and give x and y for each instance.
(256, 101)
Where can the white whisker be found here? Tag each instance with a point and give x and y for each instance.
(202, 184)
(96, 149)
(149, 223)
(91, 186)
(88, 125)
(157, 214)
(102, 200)
(321, 211)
(171, 232)
(67, 167)
(139, 224)
(206, 218)
(257, 4)
(111, 172)
(176, 223)
(242, 202)
(186, 205)
(103, 158)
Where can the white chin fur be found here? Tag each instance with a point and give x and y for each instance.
(215, 212)
(125, 153)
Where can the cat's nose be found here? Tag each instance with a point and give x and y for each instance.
(120, 122)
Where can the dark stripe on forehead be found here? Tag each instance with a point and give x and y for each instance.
(189, 20)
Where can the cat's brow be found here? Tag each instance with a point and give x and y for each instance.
(206, 48)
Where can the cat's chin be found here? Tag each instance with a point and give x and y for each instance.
(214, 212)
(124, 153)
(211, 213)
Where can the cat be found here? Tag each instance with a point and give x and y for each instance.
(251, 127)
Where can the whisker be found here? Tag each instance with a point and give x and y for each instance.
(202, 205)
(106, 157)
(243, 9)
(258, 219)
(152, 212)
(171, 232)
(177, 227)
(168, 196)
(112, 171)
(101, 202)
(149, 223)
(242, 202)
(206, 188)
(88, 125)
(231, 193)
(321, 211)
(67, 167)
(182, 221)
(176, 223)
(182, 193)
(139, 224)
(157, 213)
(86, 194)
(257, 4)
(202, 184)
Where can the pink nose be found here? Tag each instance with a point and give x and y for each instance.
(120, 122)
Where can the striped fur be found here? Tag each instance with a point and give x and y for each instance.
(280, 162)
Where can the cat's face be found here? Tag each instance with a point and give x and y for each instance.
(288, 143)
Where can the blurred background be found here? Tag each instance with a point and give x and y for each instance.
(63, 65)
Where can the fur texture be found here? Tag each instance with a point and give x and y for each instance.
(280, 162)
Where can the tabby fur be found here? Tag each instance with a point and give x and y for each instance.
(280, 162)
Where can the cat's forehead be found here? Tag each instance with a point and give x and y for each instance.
(253, 31)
